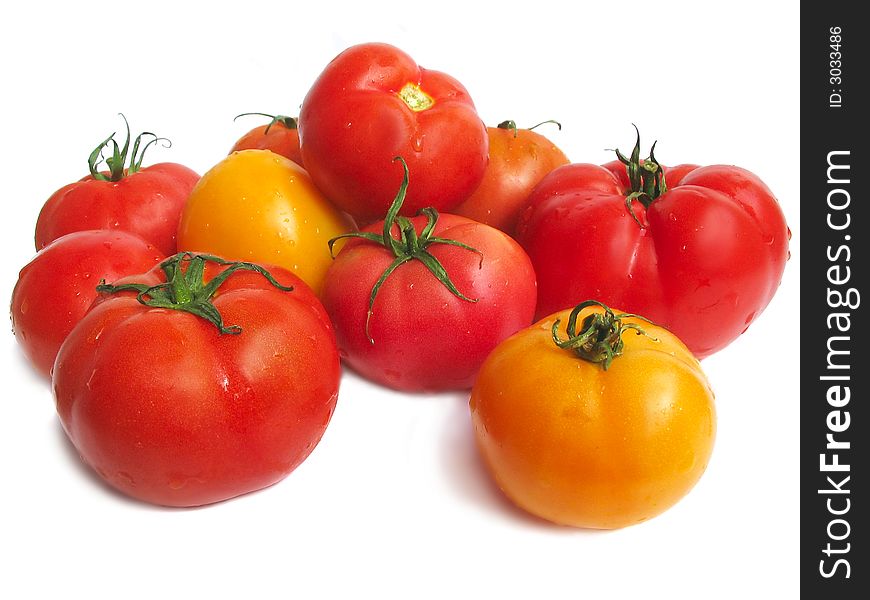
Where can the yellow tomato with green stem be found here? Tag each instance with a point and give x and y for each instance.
(594, 418)
(261, 207)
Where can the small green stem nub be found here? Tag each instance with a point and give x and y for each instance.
(185, 288)
(600, 337)
(288, 122)
(117, 161)
(511, 125)
(646, 177)
(409, 246)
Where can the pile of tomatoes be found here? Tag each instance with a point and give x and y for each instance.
(194, 328)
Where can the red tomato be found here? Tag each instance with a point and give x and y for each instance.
(458, 289)
(56, 288)
(280, 135)
(211, 384)
(701, 253)
(372, 103)
(145, 201)
(518, 160)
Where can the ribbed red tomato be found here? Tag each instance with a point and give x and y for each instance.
(372, 103)
(699, 250)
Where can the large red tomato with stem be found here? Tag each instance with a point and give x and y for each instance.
(280, 135)
(57, 287)
(198, 381)
(518, 160)
(146, 201)
(699, 250)
(373, 102)
(418, 303)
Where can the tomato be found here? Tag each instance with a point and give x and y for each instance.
(699, 250)
(56, 288)
(198, 381)
(258, 206)
(608, 430)
(280, 135)
(518, 160)
(418, 303)
(373, 103)
(144, 201)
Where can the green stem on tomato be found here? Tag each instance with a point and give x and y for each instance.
(288, 122)
(409, 246)
(511, 125)
(646, 177)
(118, 160)
(599, 339)
(185, 288)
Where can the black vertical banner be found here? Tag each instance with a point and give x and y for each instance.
(835, 228)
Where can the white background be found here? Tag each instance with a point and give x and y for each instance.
(393, 503)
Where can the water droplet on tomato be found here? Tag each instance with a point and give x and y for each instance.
(23, 308)
(417, 143)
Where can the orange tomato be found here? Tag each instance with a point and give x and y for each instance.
(280, 135)
(579, 444)
(261, 207)
(518, 160)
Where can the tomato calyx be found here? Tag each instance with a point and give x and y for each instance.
(185, 288)
(118, 159)
(600, 337)
(511, 125)
(646, 176)
(288, 122)
(410, 245)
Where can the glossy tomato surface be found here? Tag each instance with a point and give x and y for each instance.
(281, 136)
(258, 206)
(373, 103)
(703, 259)
(56, 288)
(518, 160)
(168, 410)
(580, 445)
(147, 203)
(420, 335)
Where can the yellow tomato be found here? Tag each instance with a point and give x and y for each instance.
(260, 207)
(580, 444)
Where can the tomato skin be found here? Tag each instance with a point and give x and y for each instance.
(582, 446)
(147, 203)
(353, 122)
(276, 137)
(425, 338)
(169, 411)
(518, 160)
(706, 263)
(258, 206)
(56, 288)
